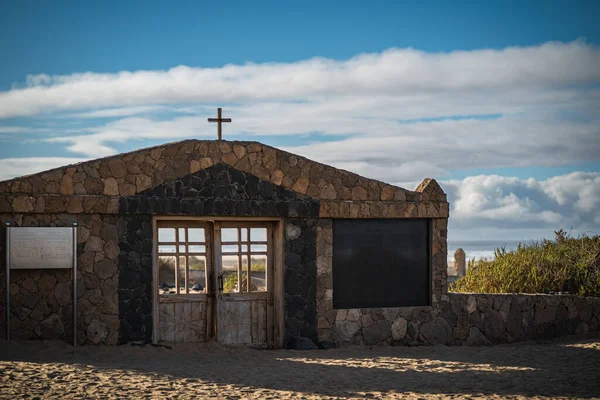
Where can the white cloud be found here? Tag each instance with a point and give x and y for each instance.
(570, 201)
(13, 167)
(113, 112)
(395, 72)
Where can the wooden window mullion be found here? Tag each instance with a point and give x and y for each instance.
(249, 259)
(187, 263)
(177, 261)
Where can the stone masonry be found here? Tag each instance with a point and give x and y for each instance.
(114, 200)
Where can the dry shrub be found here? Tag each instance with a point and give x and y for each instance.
(565, 264)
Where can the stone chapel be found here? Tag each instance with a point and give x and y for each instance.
(236, 242)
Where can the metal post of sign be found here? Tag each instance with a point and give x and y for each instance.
(74, 284)
(7, 289)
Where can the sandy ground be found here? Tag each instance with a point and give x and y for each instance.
(30, 369)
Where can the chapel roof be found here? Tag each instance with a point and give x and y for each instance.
(127, 174)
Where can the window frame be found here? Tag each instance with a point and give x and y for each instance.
(186, 225)
(268, 253)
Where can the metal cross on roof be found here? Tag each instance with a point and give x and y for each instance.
(219, 120)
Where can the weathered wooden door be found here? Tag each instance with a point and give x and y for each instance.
(183, 284)
(244, 261)
(215, 279)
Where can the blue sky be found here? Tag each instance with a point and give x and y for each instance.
(504, 94)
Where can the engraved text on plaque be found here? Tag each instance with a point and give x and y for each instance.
(37, 248)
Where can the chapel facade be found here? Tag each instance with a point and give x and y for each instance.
(237, 242)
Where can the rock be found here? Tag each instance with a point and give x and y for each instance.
(353, 315)
(277, 177)
(52, 327)
(95, 297)
(413, 330)
(30, 285)
(118, 168)
(240, 151)
(22, 312)
(111, 187)
(390, 313)
(493, 324)
(471, 304)
(388, 193)
(66, 184)
(94, 243)
(476, 338)
(111, 250)
(377, 332)
(344, 331)
(544, 316)
(586, 313)
(86, 261)
(142, 182)
(23, 204)
(437, 331)
(399, 328)
(105, 269)
(328, 192)
(108, 232)
(359, 193)
(62, 292)
(97, 331)
(367, 320)
(582, 329)
(513, 325)
(301, 185)
(40, 311)
(292, 231)
(302, 343)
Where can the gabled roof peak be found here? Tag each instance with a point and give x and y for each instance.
(127, 174)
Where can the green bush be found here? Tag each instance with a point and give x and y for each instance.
(230, 283)
(565, 264)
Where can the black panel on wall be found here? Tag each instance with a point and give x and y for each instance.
(381, 263)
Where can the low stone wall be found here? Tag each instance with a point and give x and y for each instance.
(467, 319)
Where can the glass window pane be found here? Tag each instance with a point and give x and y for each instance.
(182, 249)
(166, 249)
(230, 274)
(166, 275)
(197, 277)
(182, 237)
(182, 282)
(196, 249)
(258, 273)
(244, 234)
(196, 235)
(245, 274)
(229, 235)
(259, 247)
(244, 248)
(258, 234)
(232, 248)
(166, 234)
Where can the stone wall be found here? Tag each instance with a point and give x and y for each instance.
(113, 199)
(300, 280)
(96, 186)
(41, 300)
(334, 326)
(467, 319)
(452, 318)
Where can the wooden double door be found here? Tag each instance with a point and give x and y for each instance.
(214, 279)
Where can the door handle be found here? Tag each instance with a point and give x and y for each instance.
(220, 280)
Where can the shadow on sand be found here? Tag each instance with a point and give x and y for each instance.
(560, 368)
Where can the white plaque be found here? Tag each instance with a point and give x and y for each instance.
(41, 248)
